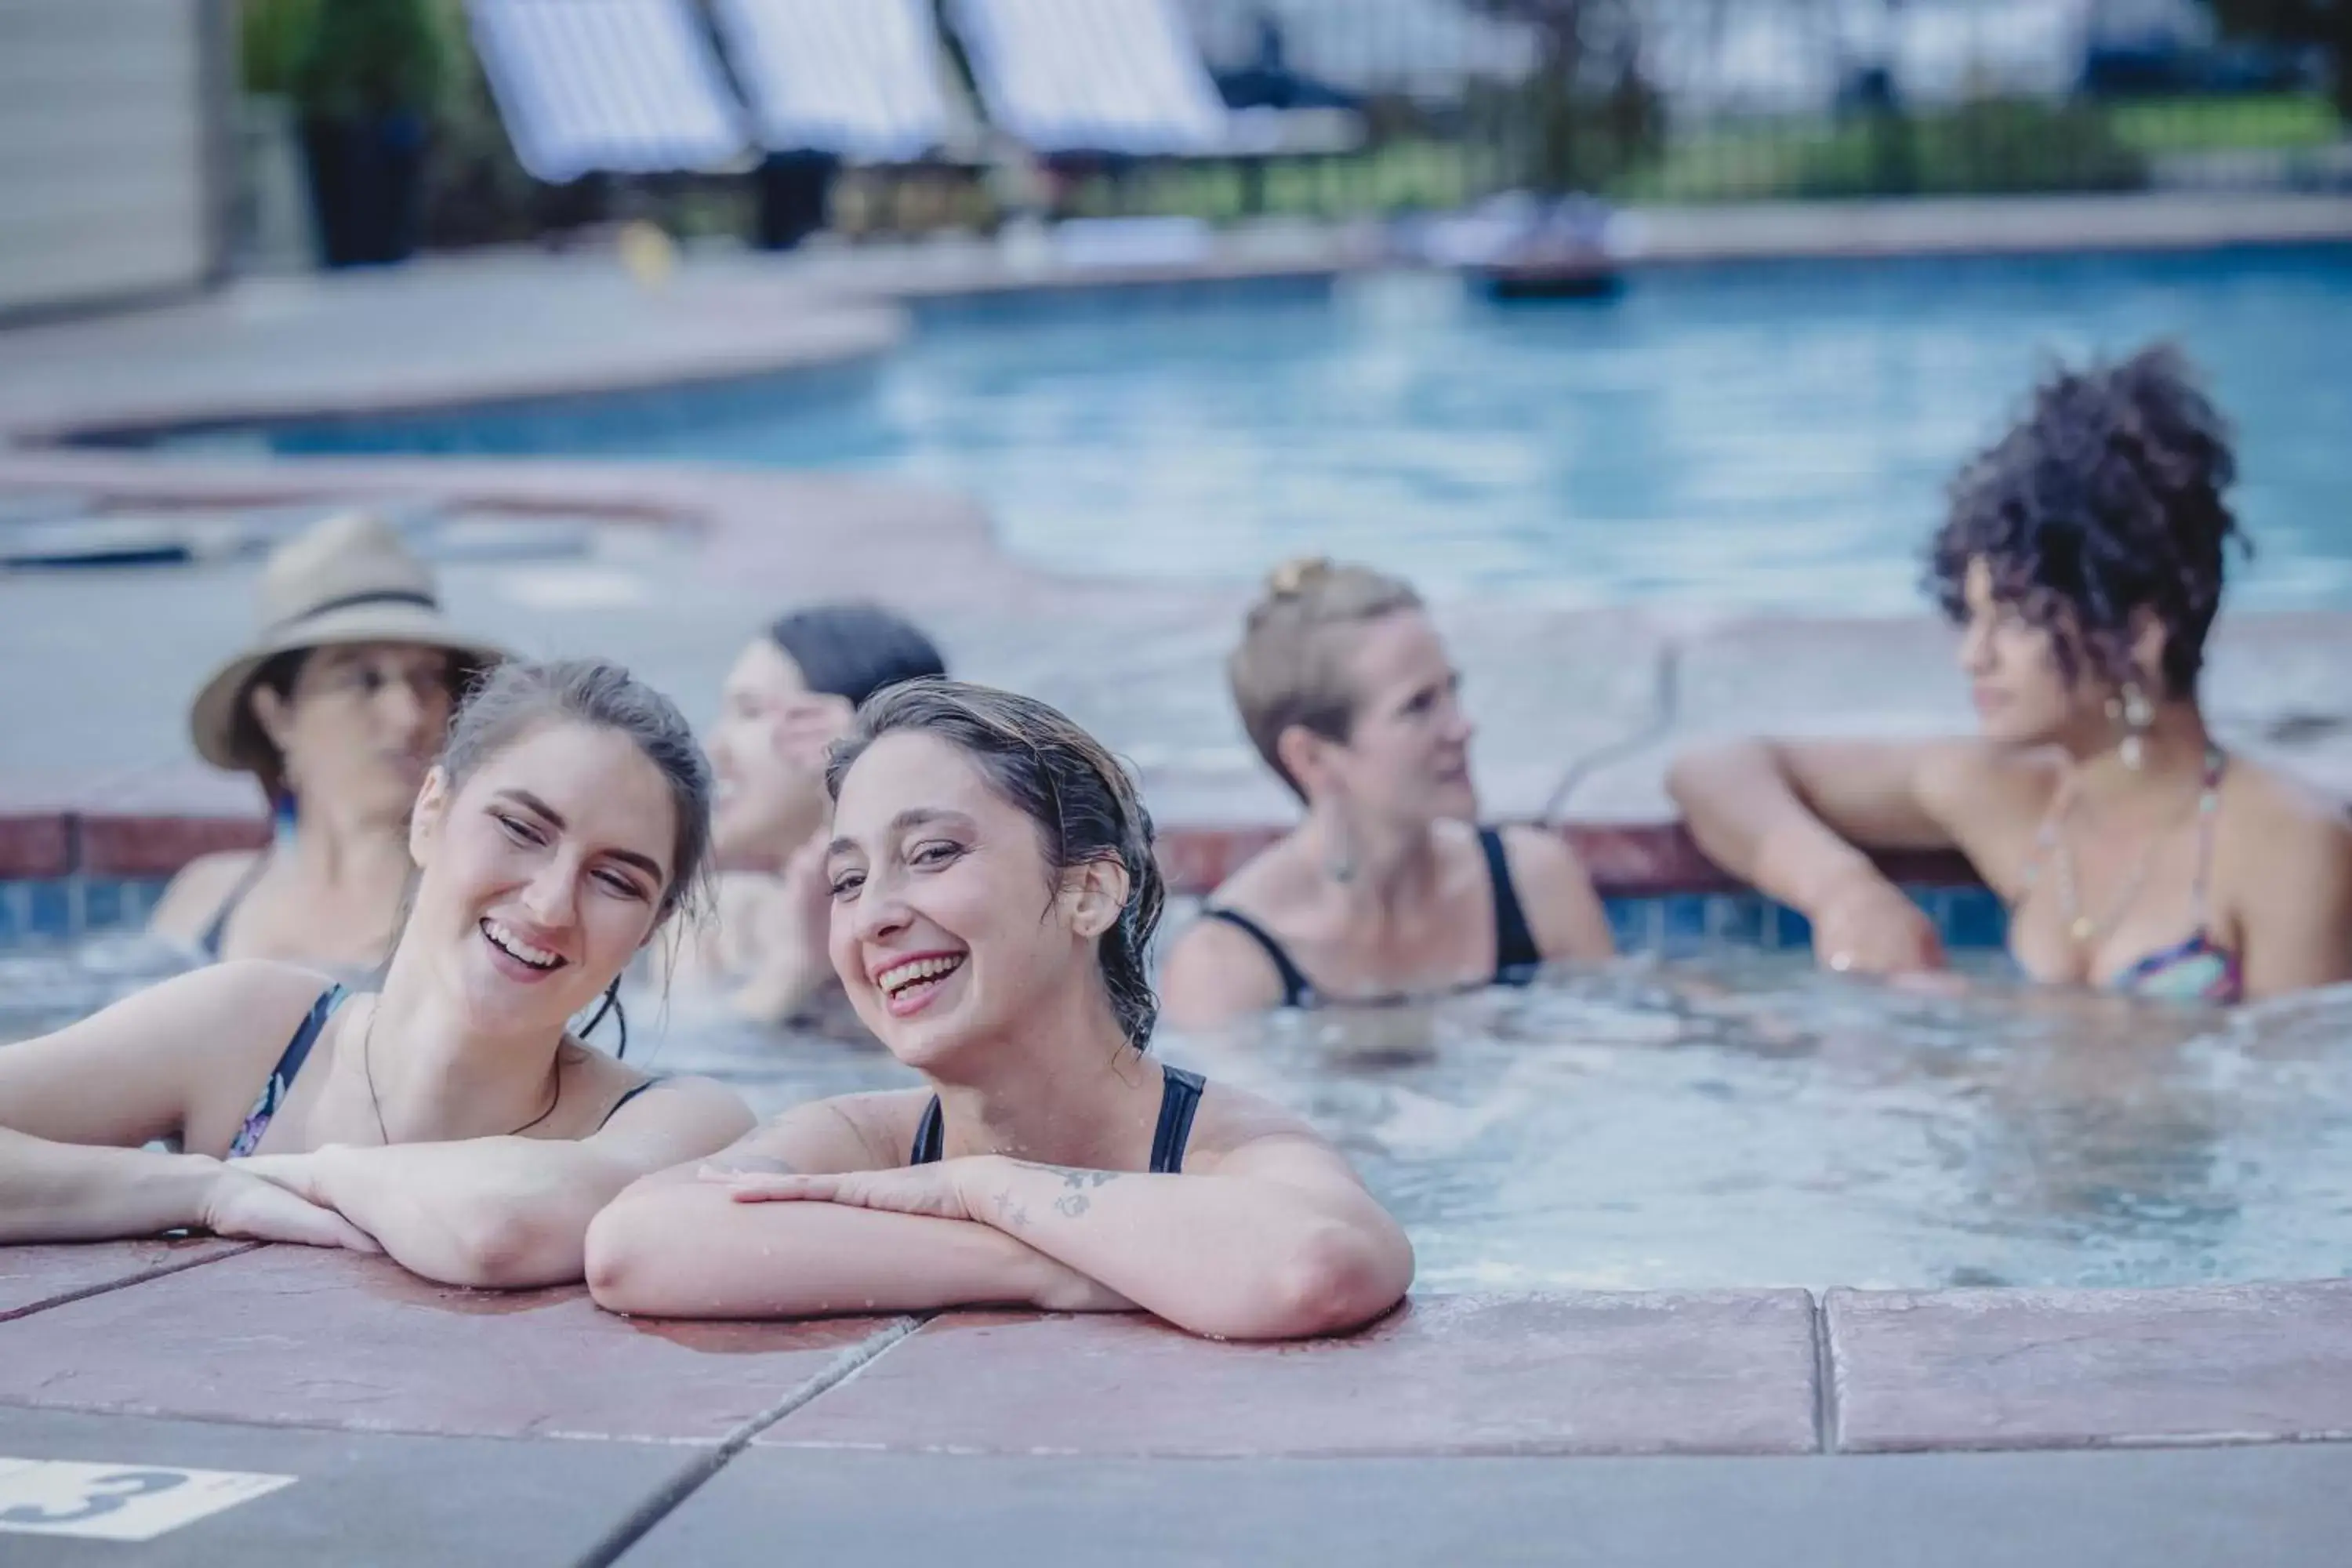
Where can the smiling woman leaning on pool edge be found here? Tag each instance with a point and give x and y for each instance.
(449, 1118)
(993, 894)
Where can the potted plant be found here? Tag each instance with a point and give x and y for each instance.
(367, 84)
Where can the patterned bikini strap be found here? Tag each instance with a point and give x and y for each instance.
(2209, 803)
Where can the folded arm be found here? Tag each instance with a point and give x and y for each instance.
(507, 1213)
(1278, 1240)
(174, 1063)
(676, 1245)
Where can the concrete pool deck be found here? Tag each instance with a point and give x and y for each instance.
(423, 1423)
(431, 1425)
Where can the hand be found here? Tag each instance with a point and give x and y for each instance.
(931, 1191)
(245, 1204)
(1867, 926)
(803, 728)
(789, 931)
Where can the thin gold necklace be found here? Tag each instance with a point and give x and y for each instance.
(367, 1069)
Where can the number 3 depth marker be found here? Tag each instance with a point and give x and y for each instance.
(118, 1502)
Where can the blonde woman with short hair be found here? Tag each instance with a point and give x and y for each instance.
(1390, 887)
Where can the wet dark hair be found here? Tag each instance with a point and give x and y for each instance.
(2103, 503)
(519, 697)
(855, 650)
(1083, 802)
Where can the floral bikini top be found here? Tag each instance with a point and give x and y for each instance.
(2198, 968)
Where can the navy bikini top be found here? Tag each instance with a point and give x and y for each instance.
(281, 1082)
(1516, 955)
(1180, 1096)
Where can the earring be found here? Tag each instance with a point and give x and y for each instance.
(1341, 865)
(2133, 712)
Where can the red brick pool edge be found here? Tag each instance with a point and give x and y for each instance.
(290, 1336)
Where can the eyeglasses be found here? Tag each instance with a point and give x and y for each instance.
(363, 682)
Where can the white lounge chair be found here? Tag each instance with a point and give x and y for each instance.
(623, 87)
(857, 78)
(1122, 78)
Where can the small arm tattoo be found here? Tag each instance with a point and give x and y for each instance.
(1073, 1202)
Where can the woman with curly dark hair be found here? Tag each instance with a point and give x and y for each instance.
(2082, 561)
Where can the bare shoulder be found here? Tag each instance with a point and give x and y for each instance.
(637, 1104)
(1563, 910)
(1231, 1120)
(245, 993)
(185, 1053)
(1215, 973)
(196, 892)
(1969, 782)
(848, 1132)
(1264, 882)
(2277, 820)
(1543, 862)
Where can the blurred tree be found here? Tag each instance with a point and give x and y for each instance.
(2325, 23)
(272, 35)
(1590, 113)
(368, 82)
(364, 59)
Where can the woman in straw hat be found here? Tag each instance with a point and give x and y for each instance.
(446, 1113)
(338, 708)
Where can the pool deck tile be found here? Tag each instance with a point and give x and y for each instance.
(34, 1278)
(297, 1336)
(1697, 1373)
(2043, 1369)
(370, 1497)
(2246, 1508)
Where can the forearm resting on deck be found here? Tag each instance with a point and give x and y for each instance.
(670, 1248)
(1231, 1257)
(492, 1213)
(71, 1191)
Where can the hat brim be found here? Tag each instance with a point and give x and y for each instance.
(215, 721)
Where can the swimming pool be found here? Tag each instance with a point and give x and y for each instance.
(1734, 1119)
(1759, 435)
(1741, 1120)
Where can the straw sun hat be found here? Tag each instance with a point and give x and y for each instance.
(347, 580)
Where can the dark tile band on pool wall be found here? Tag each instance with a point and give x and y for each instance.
(66, 877)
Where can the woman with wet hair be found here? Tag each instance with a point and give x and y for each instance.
(448, 1117)
(1390, 887)
(337, 708)
(2082, 561)
(993, 894)
(791, 694)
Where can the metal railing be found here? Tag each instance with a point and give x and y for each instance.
(1704, 100)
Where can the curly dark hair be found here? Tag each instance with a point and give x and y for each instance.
(2104, 502)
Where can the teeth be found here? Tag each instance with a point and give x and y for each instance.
(899, 977)
(537, 957)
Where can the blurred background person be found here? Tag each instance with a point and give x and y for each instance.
(1390, 887)
(792, 692)
(338, 707)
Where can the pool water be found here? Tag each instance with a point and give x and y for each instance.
(1759, 435)
(1734, 1120)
